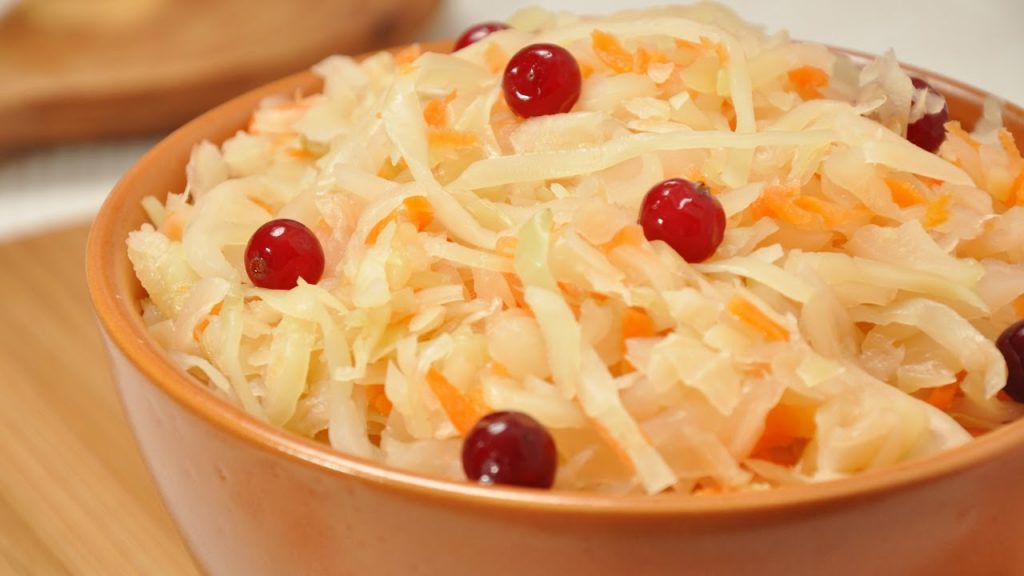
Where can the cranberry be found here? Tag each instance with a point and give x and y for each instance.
(477, 33)
(282, 251)
(542, 79)
(686, 216)
(509, 448)
(928, 131)
(1011, 344)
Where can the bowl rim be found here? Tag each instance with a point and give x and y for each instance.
(125, 331)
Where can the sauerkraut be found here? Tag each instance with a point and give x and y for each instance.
(477, 261)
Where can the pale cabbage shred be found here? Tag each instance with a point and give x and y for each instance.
(516, 290)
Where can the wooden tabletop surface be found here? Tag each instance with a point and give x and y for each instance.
(75, 495)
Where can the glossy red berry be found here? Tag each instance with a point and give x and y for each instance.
(685, 216)
(542, 79)
(1011, 344)
(282, 251)
(510, 448)
(928, 131)
(477, 33)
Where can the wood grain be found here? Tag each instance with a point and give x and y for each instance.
(75, 496)
(72, 70)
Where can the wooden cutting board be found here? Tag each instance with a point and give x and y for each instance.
(75, 496)
(76, 69)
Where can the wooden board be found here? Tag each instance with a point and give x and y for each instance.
(73, 70)
(75, 496)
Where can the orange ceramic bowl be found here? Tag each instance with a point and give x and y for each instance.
(254, 500)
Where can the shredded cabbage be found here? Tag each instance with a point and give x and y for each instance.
(477, 261)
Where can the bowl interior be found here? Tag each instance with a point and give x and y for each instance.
(116, 294)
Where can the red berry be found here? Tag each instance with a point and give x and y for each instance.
(1011, 344)
(510, 448)
(282, 251)
(477, 33)
(685, 216)
(928, 131)
(542, 79)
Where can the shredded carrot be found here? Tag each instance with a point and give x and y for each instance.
(419, 210)
(172, 226)
(498, 369)
(435, 113)
(451, 138)
(204, 323)
(629, 235)
(1017, 190)
(463, 413)
(378, 400)
(938, 212)
(390, 171)
(409, 54)
(260, 202)
(783, 424)
(1018, 307)
(506, 246)
(729, 112)
(611, 52)
(806, 80)
(686, 44)
(831, 213)
(495, 58)
(301, 153)
(758, 320)
(931, 182)
(904, 194)
(942, 397)
(954, 129)
(636, 323)
(778, 202)
(380, 226)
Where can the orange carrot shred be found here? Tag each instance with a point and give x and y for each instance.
(806, 80)
(779, 202)
(1017, 190)
(954, 129)
(938, 212)
(611, 52)
(758, 320)
(506, 246)
(407, 55)
(636, 323)
(419, 211)
(629, 235)
(451, 138)
(460, 410)
(378, 400)
(435, 113)
(1018, 307)
(380, 226)
(783, 424)
(904, 194)
(942, 397)
(259, 202)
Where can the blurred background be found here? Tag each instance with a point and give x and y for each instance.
(86, 86)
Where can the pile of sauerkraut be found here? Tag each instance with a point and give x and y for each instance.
(478, 262)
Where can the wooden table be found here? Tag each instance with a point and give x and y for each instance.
(75, 495)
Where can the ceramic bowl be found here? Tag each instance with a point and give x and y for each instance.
(254, 500)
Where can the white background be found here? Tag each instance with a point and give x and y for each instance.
(977, 41)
